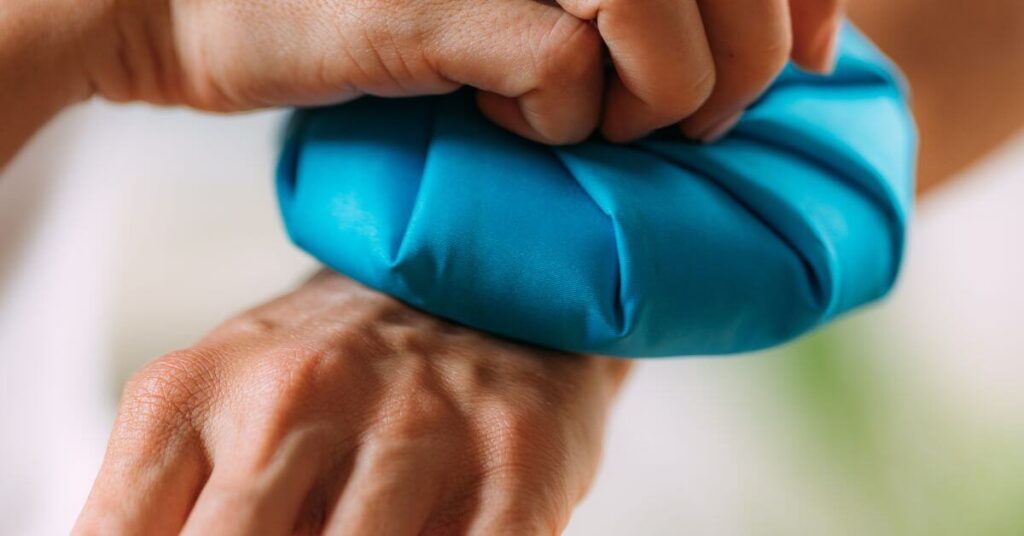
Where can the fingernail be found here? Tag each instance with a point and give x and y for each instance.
(720, 129)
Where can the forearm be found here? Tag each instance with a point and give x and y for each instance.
(965, 62)
(41, 44)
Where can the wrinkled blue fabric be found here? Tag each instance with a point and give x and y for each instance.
(655, 248)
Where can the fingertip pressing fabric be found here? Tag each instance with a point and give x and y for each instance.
(660, 247)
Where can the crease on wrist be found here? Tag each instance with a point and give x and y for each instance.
(129, 54)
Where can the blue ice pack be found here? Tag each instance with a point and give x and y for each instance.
(660, 247)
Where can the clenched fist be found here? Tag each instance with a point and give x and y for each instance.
(336, 409)
(540, 65)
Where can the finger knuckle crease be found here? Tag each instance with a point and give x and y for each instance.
(570, 50)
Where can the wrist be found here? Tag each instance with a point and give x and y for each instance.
(128, 52)
(42, 44)
(120, 50)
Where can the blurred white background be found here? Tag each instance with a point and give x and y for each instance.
(153, 225)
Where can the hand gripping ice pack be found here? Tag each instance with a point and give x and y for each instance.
(660, 247)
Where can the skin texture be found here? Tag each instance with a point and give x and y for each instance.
(39, 76)
(336, 408)
(965, 62)
(302, 414)
(539, 65)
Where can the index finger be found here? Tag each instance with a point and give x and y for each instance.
(155, 464)
(663, 63)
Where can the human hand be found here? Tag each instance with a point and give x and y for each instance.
(702, 62)
(538, 63)
(336, 408)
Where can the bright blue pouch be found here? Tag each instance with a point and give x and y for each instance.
(655, 248)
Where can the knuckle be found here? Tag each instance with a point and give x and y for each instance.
(569, 52)
(743, 75)
(760, 63)
(175, 380)
(677, 101)
(167, 392)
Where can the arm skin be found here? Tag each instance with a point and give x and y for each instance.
(337, 410)
(948, 49)
(39, 72)
(539, 65)
(965, 62)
